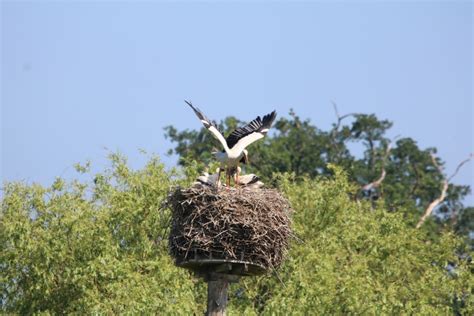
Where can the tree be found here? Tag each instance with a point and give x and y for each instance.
(88, 248)
(355, 260)
(100, 247)
(405, 176)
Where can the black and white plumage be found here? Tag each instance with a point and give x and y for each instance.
(236, 143)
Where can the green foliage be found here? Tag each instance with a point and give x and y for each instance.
(91, 248)
(297, 146)
(356, 260)
(101, 248)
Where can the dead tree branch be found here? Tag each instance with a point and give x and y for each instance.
(337, 144)
(378, 182)
(375, 183)
(444, 188)
(339, 118)
(462, 163)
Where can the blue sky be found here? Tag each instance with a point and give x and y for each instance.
(80, 76)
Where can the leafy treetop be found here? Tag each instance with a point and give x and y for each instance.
(100, 247)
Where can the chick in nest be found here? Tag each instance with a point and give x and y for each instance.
(251, 181)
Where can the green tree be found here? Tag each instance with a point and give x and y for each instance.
(100, 247)
(89, 248)
(410, 178)
(355, 260)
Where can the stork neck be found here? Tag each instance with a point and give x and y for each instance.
(226, 149)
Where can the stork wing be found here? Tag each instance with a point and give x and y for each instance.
(243, 136)
(210, 125)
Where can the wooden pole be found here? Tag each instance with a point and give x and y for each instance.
(217, 296)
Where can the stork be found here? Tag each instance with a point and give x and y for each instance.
(234, 146)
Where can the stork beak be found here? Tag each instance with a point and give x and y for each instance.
(246, 158)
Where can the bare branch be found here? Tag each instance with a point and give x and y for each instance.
(435, 163)
(376, 183)
(339, 117)
(444, 189)
(337, 145)
(379, 181)
(433, 204)
(471, 156)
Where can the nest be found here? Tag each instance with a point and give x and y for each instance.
(247, 225)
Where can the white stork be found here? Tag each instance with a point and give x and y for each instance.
(234, 145)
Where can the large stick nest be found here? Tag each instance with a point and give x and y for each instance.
(251, 225)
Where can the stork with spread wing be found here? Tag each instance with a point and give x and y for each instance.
(234, 146)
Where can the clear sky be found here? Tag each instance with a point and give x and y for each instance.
(80, 76)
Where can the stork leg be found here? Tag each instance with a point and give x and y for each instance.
(219, 171)
(237, 182)
(228, 178)
(236, 179)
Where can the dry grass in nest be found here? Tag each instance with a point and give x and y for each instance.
(251, 225)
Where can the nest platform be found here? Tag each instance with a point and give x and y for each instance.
(235, 231)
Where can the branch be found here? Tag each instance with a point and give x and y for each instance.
(378, 182)
(471, 156)
(334, 131)
(444, 189)
(339, 117)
